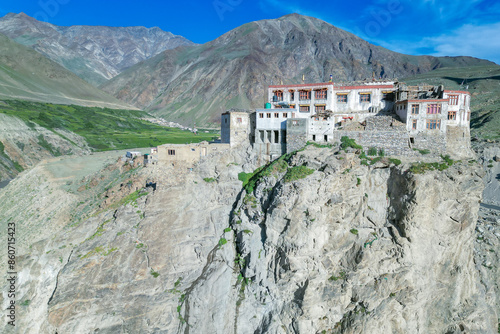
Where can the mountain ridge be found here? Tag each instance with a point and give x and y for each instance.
(95, 53)
(198, 82)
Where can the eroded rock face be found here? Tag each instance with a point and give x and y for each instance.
(344, 249)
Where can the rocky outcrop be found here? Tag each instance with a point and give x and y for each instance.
(318, 244)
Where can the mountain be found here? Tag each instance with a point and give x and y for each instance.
(198, 82)
(26, 74)
(94, 53)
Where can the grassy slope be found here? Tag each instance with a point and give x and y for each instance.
(26, 74)
(104, 129)
(484, 85)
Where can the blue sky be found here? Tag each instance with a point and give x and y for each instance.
(440, 28)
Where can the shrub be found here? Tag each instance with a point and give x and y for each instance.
(222, 242)
(346, 142)
(209, 179)
(447, 159)
(354, 231)
(227, 229)
(381, 153)
(155, 274)
(358, 181)
(372, 151)
(397, 162)
(297, 172)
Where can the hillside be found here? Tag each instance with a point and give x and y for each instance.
(483, 82)
(31, 132)
(26, 74)
(322, 244)
(199, 82)
(95, 53)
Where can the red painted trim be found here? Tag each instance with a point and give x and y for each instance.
(423, 101)
(457, 92)
(301, 85)
(332, 84)
(363, 87)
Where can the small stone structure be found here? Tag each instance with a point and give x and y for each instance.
(188, 154)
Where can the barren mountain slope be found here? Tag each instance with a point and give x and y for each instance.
(199, 82)
(95, 53)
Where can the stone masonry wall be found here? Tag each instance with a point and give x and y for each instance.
(296, 134)
(395, 143)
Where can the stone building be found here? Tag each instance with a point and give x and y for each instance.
(187, 154)
(382, 114)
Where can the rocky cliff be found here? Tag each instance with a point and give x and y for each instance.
(314, 243)
(95, 53)
(235, 69)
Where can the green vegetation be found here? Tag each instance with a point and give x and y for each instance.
(297, 172)
(319, 145)
(227, 229)
(397, 162)
(132, 198)
(341, 275)
(222, 242)
(381, 152)
(346, 142)
(209, 179)
(422, 167)
(153, 273)
(358, 181)
(372, 151)
(354, 231)
(277, 166)
(423, 152)
(16, 165)
(103, 129)
(27, 302)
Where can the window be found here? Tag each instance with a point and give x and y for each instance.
(433, 124)
(414, 124)
(171, 152)
(433, 108)
(285, 115)
(304, 109)
(293, 115)
(278, 96)
(261, 115)
(320, 108)
(320, 94)
(268, 115)
(276, 115)
(292, 95)
(292, 106)
(388, 96)
(452, 115)
(304, 95)
(239, 120)
(314, 137)
(316, 118)
(325, 137)
(414, 109)
(342, 98)
(364, 98)
(225, 120)
(453, 100)
(295, 123)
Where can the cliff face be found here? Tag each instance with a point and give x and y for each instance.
(322, 244)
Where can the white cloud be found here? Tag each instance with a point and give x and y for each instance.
(469, 40)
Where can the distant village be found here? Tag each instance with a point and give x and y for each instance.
(391, 116)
